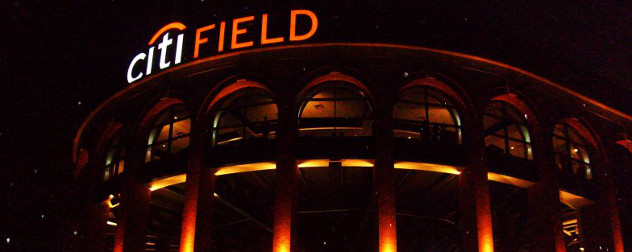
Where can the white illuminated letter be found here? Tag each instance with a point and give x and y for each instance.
(130, 78)
(179, 49)
(166, 42)
(150, 60)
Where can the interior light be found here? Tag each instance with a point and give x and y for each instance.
(575, 150)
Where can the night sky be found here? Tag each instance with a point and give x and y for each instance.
(59, 60)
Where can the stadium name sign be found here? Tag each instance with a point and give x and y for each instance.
(167, 55)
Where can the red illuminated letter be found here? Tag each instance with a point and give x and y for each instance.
(311, 15)
(199, 40)
(233, 42)
(264, 32)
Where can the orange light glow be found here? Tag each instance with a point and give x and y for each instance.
(264, 32)
(174, 25)
(199, 40)
(388, 246)
(312, 31)
(357, 163)
(245, 168)
(313, 163)
(574, 201)
(509, 180)
(162, 183)
(236, 31)
(429, 167)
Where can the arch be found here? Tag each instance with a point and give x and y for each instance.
(247, 113)
(575, 146)
(427, 114)
(446, 89)
(148, 128)
(507, 126)
(226, 88)
(627, 144)
(333, 107)
(524, 108)
(112, 129)
(330, 77)
(588, 134)
(113, 135)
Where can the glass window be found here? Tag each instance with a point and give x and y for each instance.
(336, 108)
(115, 157)
(170, 134)
(506, 130)
(247, 114)
(571, 155)
(426, 114)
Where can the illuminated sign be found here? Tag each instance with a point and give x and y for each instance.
(166, 56)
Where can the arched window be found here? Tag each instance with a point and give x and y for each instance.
(170, 134)
(425, 114)
(247, 114)
(115, 157)
(506, 130)
(571, 155)
(336, 108)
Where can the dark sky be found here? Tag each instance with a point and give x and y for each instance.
(60, 59)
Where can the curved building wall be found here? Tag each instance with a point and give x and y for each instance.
(348, 146)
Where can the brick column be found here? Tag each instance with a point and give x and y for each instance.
(383, 181)
(132, 227)
(610, 198)
(92, 215)
(594, 228)
(600, 225)
(545, 218)
(475, 201)
(96, 226)
(286, 182)
(197, 214)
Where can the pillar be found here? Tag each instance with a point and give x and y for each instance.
(286, 182)
(594, 228)
(383, 182)
(96, 226)
(475, 201)
(132, 227)
(545, 217)
(545, 220)
(197, 214)
(610, 197)
(600, 225)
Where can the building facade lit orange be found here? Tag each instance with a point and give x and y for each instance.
(348, 147)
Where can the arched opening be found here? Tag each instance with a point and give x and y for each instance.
(335, 202)
(573, 159)
(170, 133)
(426, 126)
(508, 140)
(243, 127)
(115, 156)
(335, 108)
(248, 114)
(245, 121)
